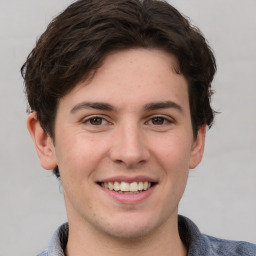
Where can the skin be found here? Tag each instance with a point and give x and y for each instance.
(131, 136)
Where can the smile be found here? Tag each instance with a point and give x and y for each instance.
(126, 187)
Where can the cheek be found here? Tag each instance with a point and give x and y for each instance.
(77, 156)
(174, 154)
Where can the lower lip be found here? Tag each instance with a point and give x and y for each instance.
(129, 198)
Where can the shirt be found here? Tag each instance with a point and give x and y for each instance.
(197, 243)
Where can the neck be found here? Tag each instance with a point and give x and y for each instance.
(88, 241)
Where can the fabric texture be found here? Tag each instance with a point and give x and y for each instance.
(197, 243)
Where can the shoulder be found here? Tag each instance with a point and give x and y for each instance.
(203, 245)
(227, 247)
(44, 253)
(58, 242)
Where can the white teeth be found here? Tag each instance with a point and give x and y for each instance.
(127, 187)
(141, 186)
(109, 185)
(145, 185)
(134, 187)
(116, 186)
(124, 186)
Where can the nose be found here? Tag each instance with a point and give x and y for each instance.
(129, 146)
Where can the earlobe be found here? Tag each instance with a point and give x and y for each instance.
(198, 148)
(42, 141)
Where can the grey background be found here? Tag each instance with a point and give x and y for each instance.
(221, 193)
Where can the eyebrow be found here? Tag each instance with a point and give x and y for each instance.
(94, 105)
(107, 107)
(162, 105)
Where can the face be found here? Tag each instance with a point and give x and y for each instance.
(124, 145)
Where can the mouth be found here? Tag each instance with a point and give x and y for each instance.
(124, 187)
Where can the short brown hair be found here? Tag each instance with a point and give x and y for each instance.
(76, 42)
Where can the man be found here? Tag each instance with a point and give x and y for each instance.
(119, 93)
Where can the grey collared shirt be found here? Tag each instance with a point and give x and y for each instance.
(197, 243)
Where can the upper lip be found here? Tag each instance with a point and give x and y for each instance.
(129, 179)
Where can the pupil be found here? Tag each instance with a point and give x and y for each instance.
(96, 121)
(157, 120)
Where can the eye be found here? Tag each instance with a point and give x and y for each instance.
(95, 121)
(159, 120)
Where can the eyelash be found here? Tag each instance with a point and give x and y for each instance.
(164, 119)
(91, 118)
(103, 121)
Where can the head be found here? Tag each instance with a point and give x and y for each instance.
(77, 41)
(120, 97)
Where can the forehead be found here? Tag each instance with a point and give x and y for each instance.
(133, 76)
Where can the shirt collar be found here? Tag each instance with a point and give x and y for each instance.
(189, 234)
(59, 241)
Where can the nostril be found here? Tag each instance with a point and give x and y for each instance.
(118, 161)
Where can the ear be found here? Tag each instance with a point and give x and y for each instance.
(42, 141)
(197, 148)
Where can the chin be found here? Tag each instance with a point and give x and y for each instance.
(129, 227)
(129, 233)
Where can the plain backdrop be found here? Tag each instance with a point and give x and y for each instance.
(221, 192)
